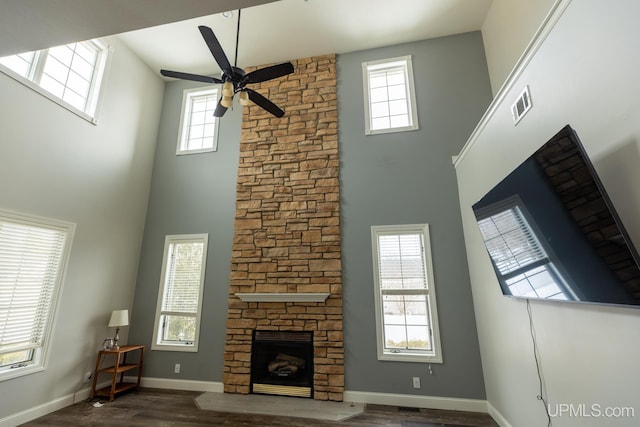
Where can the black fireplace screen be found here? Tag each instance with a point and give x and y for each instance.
(282, 363)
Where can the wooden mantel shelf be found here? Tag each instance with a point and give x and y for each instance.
(283, 297)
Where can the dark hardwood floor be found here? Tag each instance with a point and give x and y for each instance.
(154, 407)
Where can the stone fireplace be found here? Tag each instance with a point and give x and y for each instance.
(286, 272)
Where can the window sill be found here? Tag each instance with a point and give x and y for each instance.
(184, 348)
(187, 152)
(410, 357)
(9, 373)
(391, 130)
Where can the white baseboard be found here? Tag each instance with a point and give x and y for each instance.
(189, 385)
(46, 408)
(36, 412)
(497, 416)
(83, 394)
(414, 401)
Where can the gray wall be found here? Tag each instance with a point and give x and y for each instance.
(405, 178)
(189, 194)
(196, 194)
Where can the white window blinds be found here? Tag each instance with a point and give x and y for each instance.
(510, 241)
(182, 283)
(31, 260)
(401, 264)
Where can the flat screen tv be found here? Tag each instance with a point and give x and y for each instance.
(552, 232)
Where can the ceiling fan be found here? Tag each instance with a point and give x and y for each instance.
(235, 80)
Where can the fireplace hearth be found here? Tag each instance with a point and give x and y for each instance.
(282, 363)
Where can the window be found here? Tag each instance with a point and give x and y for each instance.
(70, 75)
(406, 314)
(177, 324)
(33, 255)
(390, 104)
(198, 126)
(20, 64)
(524, 267)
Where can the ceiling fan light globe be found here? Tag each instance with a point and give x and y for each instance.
(226, 101)
(243, 99)
(227, 89)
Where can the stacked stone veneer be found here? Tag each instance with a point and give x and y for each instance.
(287, 225)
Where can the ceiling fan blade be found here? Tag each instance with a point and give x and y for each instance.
(220, 110)
(264, 103)
(215, 48)
(188, 76)
(268, 73)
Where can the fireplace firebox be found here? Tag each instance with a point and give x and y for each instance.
(282, 363)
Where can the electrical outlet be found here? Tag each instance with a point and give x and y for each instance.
(176, 369)
(87, 377)
(416, 382)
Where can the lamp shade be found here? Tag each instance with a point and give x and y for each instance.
(119, 318)
(227, 89)
(243, 98)
(226, 101)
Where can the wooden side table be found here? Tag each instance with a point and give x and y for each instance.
(120, 366)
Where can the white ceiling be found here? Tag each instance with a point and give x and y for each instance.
(290, 29)
(271, 31)
(27, 25)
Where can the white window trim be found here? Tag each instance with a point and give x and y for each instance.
(185, 117)
(41, 356)
(97, 85)
(411, 94)
(434, 356)
(192, 348)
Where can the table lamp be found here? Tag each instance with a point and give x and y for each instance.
(118, 318)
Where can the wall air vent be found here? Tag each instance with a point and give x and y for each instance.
(521, 106)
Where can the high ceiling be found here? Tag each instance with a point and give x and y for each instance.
(27, 25)
(270, 31)
(289, 29)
